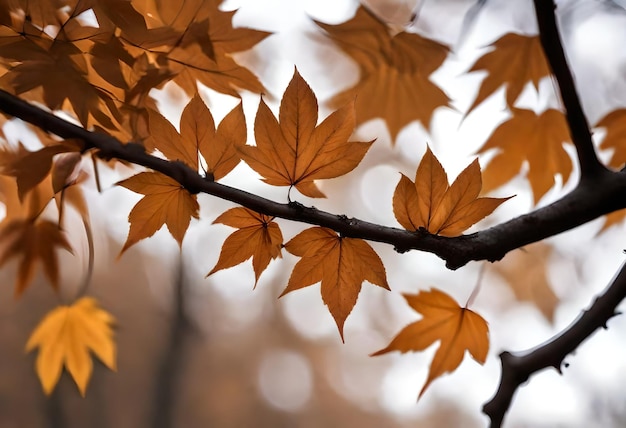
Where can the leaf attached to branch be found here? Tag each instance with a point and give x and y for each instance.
(432, 204)
(258, 237)
(293, 151)
(165, 202)
(341, 264)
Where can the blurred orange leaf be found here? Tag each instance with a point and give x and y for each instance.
(615, 138)
(341, 264)
(294, 151)
(33, 240)
(431, 204)
(532, 138)
(66, 336)
(524, 271)
(395, 70)
(258, 237)
(515, 60)
(165, 202)
(457, 329)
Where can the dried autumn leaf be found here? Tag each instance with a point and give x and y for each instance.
(294, 151)
(525, 273)
(165, 202)
(30, 168)
(66, 336)
(216, 68)
(532, 138)
(394, 82)
(431, 204)
(198, 134)
(341, 264)
(457, 329)
(615, 124)
(258, 237)
(515, 60)
(33, 240)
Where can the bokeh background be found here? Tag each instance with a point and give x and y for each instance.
(200, 352)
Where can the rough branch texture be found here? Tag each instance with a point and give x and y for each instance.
(592, 198)
(517, 368)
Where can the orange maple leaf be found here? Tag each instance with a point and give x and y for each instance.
(525, 271)
(31, 168)
(537, 139)
(33, 239)
(394, 82)
(295, 152)
(192, 62)
(457, 329)
(341, 264)
(431, 204)
(615, 138)
(258, 237)
(515, 60)
(165, 202)
(615, 124)
(65, 337)
(198, 135)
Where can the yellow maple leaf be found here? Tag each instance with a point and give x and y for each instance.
(515, 60)
(341, 264)
(258, 237)
(532, 138)
(431, 204)
(165, 202)
(395, 69)
(294, 151)
(457, 329)
(66, 336)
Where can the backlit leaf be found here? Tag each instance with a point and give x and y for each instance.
(294, 151)
(66, 336)
(528, 137)
(33, 240)
(258, 237)
(515, 60)
(341, 264)
(165, 202)
(431, 204)
(395, 72)
(457, 329)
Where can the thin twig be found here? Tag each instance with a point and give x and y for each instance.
(519, 367)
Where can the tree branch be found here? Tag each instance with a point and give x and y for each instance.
(517, 368)
(576, 119)
(596, 196)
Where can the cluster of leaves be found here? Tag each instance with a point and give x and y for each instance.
(98, 60)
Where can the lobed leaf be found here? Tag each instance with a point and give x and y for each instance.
(457, 329)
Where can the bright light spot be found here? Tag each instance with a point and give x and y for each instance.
(87, 19)
(285, 380)
(377, 187)
(307, 314)
(549, 401)
(598, 46)
(401, 385)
